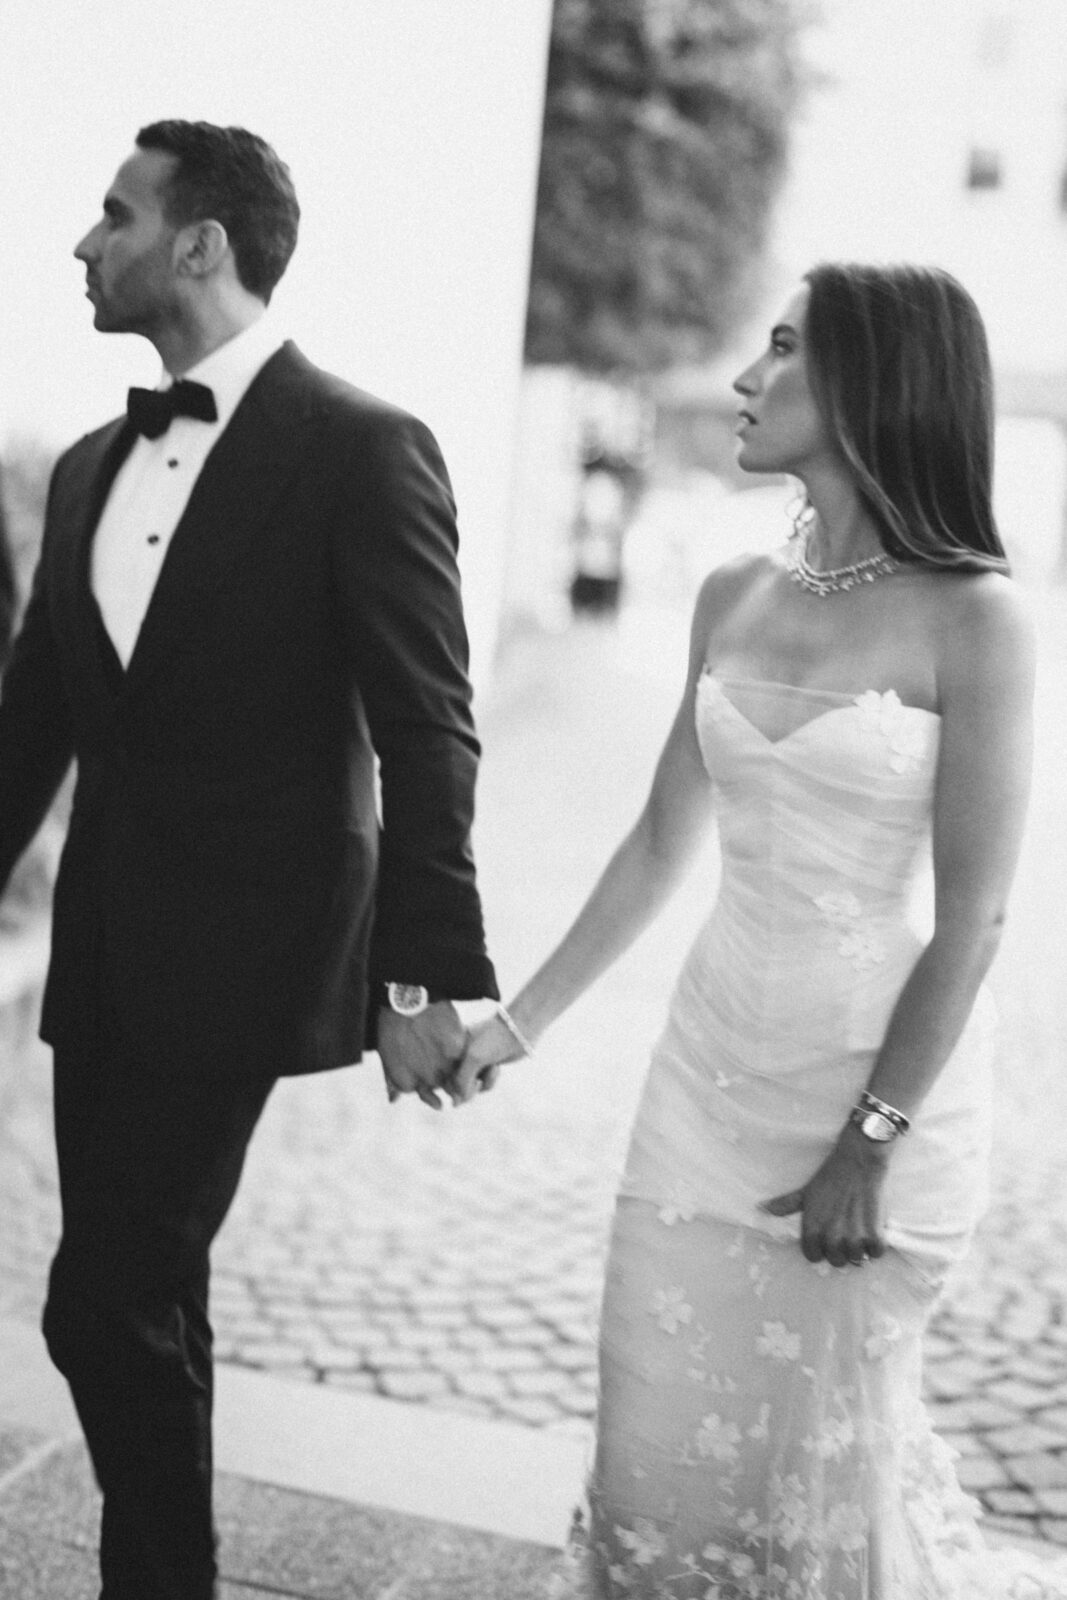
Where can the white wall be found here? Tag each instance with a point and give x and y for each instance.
(412, 130)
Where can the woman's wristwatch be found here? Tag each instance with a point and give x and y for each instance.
(876, 1121)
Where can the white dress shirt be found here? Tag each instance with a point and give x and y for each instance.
(152, 487)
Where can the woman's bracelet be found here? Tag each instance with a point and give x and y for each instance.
(513, 1028)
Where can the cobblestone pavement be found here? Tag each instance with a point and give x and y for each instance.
(455, 1259)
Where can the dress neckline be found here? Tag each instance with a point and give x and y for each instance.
(849, 697)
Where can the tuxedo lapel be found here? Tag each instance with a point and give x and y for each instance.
(78, 500)
(247, 470)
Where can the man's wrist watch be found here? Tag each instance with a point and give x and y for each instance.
(406, 999)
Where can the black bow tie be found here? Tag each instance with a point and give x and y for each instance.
(153, 410)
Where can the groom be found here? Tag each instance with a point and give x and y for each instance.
(247, 592)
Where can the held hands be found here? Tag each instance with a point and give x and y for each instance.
(841, 1204)
(432, 1051)
(419, 1053)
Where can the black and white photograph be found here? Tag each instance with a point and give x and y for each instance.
(533, 678)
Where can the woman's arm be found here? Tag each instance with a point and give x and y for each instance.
(983, 782)
(637, 881)
(986, 692)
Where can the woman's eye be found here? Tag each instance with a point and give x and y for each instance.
(781, 347)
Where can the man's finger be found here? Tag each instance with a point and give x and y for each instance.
(784, 1205)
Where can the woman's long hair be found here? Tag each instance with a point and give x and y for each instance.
(899, 367)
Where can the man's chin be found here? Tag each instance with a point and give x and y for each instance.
(104, 322)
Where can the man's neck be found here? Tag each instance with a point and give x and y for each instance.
(181, 349)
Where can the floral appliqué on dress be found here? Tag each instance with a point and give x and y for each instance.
(904, 734)
(858, 943)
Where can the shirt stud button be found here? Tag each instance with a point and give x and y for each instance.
(173, 462)
(153, 538)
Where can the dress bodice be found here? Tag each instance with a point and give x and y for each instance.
(824, 804)
(824, 800)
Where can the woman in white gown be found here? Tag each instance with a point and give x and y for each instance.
(809, 1156)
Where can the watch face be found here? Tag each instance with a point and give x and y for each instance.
(408, 999)
(875, 1126)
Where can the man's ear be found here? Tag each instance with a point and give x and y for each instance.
(200, 248)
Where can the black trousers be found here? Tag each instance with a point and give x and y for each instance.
(148, 1166)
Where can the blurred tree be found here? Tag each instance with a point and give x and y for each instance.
(665, 137)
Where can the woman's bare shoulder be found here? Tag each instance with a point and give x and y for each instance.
(734, 579)
(985, 626)
(984, 607)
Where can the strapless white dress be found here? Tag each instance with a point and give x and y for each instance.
(761, 1434)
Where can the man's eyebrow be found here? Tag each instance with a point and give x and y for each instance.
(114, 207)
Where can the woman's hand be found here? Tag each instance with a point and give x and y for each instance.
(489, 1045)
(841, 1204)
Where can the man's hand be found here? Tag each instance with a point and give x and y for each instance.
(418, 1053)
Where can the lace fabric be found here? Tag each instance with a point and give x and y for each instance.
(760, 1432)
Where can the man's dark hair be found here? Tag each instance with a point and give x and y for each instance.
(233, 177)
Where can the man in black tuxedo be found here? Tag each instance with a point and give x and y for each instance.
(247, 590)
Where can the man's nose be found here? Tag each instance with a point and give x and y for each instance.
(85, 249)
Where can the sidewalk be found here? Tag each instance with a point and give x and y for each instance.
(319, 1496)
(382, 1254)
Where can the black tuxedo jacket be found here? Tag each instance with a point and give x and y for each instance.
(227, 884)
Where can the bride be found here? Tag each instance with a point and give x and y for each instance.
(809, 1156)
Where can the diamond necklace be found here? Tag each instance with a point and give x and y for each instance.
(838, 579)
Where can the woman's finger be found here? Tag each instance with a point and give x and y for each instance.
(474, 1073)
(813, 1245)
(465, 1079)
